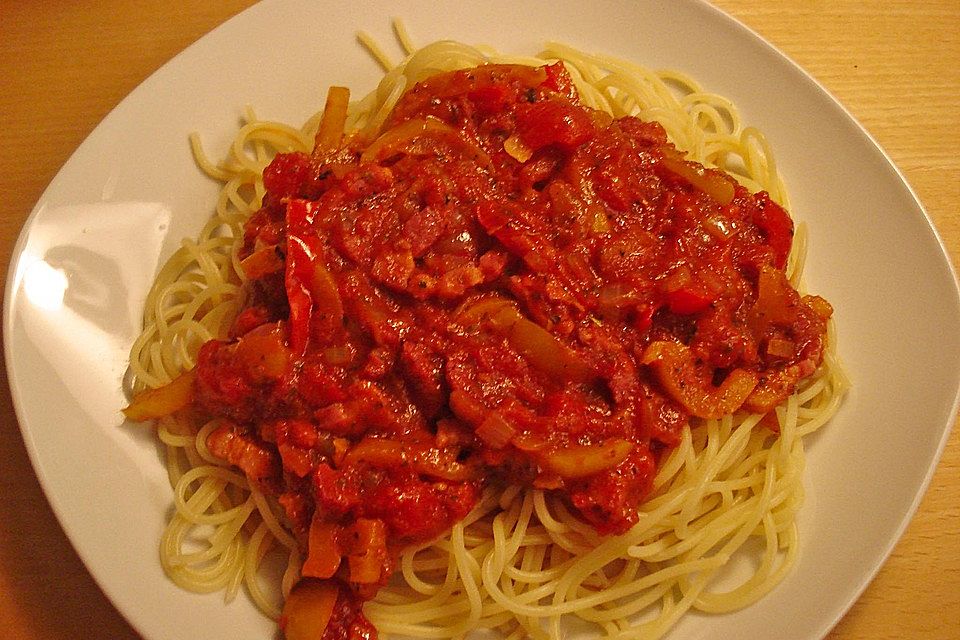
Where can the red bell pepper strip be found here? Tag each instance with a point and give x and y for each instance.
(688, 301)
(299, 273)
(285, 173)
(559, 80)
(554, 122)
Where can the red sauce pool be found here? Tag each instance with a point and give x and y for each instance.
(505, 287)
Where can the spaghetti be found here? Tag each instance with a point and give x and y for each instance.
(524, 559)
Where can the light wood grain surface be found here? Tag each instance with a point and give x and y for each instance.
(64, 65)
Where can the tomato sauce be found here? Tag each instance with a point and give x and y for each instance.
(503, 287)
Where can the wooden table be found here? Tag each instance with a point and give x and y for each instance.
(64, 65)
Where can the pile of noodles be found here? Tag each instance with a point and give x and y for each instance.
(521, 561)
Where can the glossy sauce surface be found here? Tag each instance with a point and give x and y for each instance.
(503, 287)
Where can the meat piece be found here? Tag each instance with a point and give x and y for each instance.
(423, 373)
(232, 444)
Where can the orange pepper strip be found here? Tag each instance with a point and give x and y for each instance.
(377, 452)
(673, 365)
(709, 182)
(777, 302)
(545, 352)
(330, 131)
(308, 608)
(385, 453)
(327, 304)
(442, 464)
(774, 389)
(540, 347)
(393, 140)
(264, 356)
(466, 408)
(162, 401)
(323, 549)
(496, 431)
(820, 306)
(369, 553)
(262, 262)
(477, 311)
(581, 461)
(365, 568)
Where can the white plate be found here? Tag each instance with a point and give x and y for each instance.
(87, 254)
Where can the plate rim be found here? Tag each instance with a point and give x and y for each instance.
(15, 274)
